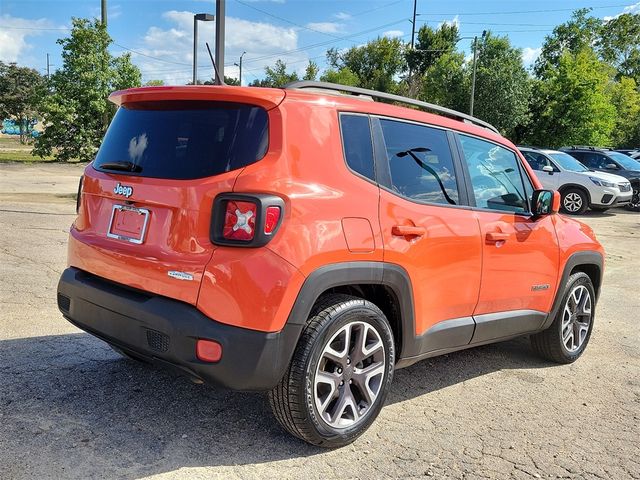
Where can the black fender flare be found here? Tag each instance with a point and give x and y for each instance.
(352, 273)
(585, 257)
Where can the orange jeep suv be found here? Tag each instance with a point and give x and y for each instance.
(310, 240)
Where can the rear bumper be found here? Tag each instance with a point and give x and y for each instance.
(165, 331)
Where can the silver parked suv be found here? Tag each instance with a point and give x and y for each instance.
(580, 187)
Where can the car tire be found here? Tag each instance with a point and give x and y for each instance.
(600, 209)
(574, 201)
(567, 337)
(320, 399)
(634, 205)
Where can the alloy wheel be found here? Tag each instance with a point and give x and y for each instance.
(572, 202)
(576, 318)
(349, 375)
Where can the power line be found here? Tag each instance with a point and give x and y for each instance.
(522, 11)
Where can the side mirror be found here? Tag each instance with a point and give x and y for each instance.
(548, 169)
(545, 202)
(611, 166)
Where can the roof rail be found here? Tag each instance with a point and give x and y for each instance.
(585, 147)
(335, 87)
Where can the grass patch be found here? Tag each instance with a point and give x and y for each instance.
(21, 156)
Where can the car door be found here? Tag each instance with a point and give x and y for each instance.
(520, 253)
(427, 229)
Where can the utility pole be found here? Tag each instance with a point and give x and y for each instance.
(413, 24)
(103, 12)
(475, 64)
(48, 74)
(240, 67)
(220, 21)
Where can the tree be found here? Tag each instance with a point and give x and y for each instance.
(620, 45)
(626, 99)
(575, 106)
(446, 82)
(431, 45)
(154, 83)
(311, 72)
(344, 76)
(20, 91)
(503, 88)
(580, 32)
(76, 109)
(376, 64)
(276, 76)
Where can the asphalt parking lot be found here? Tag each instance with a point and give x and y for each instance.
(72, 408)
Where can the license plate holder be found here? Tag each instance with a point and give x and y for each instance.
(128, 223)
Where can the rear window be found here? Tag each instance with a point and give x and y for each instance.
(183, 139)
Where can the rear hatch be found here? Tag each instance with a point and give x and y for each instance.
(146, 202)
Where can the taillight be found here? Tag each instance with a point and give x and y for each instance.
(247, 220)
(240, 221)
(271, 219)
(79, 195)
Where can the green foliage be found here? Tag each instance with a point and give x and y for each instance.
(447, 83)
(620, 45)
(575, 102)
(154, 83)
(626, 99)
(76, 109)
(344, 76)
(581, 31)
(432, 44)
(503, 87)
(20, 91)
(311, 72)
(376, 64)
(276, 76)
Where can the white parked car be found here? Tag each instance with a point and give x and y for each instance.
(580, 187)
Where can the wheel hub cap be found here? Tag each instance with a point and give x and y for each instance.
(349, 375)
(572, 202)
(576, 318)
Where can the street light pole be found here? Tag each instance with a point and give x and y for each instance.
(204, 17)
(240, 67)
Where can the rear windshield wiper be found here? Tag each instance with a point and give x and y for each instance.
(121, 165)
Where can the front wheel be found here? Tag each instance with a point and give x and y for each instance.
(574, 201)
(568, 336)
(340, 373)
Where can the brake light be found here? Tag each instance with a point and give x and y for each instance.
(240, 221)
(245, 220)
(271, 219)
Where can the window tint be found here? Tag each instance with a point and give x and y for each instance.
(420, 162)
(183, 139)
(495, 176)
(538, 161)
(356, 139)
(592, 159)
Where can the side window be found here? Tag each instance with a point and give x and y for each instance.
(356, 140)
(495, 176)
(420, 162)
(538, 161)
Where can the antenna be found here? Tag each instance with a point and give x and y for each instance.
(215, 69)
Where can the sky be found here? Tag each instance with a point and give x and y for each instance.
(159, 33)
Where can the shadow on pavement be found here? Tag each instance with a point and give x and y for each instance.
(70, 401)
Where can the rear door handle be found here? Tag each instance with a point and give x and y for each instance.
(408, 231)
(496, 237)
